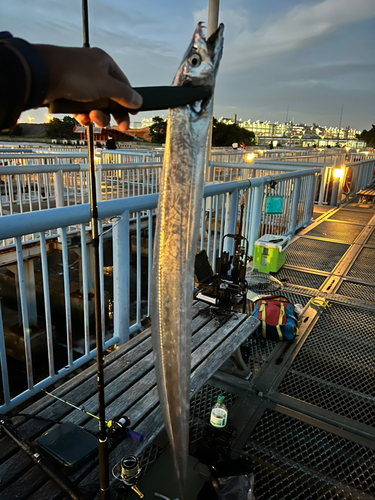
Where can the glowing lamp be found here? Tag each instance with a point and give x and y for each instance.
(337, 173)
(249, 157)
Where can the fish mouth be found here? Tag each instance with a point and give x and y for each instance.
(199, 107)
(215, 46)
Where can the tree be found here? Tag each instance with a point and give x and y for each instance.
(158, 130)
(224, 134)
(368, 136)
(62, 129)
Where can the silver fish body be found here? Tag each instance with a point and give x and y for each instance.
(178, 219)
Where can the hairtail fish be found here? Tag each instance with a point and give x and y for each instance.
(177, 227)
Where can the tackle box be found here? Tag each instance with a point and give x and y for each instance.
(270, 253)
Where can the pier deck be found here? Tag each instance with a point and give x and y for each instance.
(130, 390)
(305, 417)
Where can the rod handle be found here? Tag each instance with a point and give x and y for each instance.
(154, 98)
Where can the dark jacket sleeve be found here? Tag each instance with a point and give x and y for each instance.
(23, 71)
(12, 87)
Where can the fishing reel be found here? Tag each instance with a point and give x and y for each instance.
(120, 426)
(130, 473)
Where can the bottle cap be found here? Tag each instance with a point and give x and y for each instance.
(220, 399)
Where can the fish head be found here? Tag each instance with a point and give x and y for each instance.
(200, 64)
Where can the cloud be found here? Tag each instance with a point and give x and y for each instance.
(326, 72)
(304, 24)
(312, 55)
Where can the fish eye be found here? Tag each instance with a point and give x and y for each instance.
(195, 60)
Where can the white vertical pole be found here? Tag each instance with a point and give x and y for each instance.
(212, 25)
(213, 17)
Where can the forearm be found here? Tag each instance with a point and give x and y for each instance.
(24, 79)
(35, 75)
(12, 88)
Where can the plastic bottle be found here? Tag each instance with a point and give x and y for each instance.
(219, 413)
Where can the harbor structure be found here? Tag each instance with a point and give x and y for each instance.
(279, 388)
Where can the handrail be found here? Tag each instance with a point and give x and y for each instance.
(72, 167)
(134, 216)
(33, 222)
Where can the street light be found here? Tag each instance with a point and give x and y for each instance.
(338, 173)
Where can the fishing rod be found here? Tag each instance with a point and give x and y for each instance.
(103, 438)
(113, 426)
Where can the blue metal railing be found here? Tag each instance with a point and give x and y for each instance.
(34, 182)
(66, 344)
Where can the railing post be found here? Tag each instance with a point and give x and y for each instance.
(98, 180)
(334, 193)
(121, 279)
(212, 25)
(30, 291)
(231, 221)
(3, 363)
(59, 189)
(370, 168)
(360, 177)
(309, 208)
(354, 180)
(24, 314)
(295, 200)
(322, 186)
(256, 217)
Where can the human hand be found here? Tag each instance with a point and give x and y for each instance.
(87, 74)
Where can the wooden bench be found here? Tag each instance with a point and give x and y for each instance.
(367, 195)
(130, 389)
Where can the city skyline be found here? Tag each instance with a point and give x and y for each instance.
(306, 59)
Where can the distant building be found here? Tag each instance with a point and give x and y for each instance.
(290, 129)
(269, 130)
(102, 134)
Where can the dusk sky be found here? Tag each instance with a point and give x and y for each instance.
(310, 56)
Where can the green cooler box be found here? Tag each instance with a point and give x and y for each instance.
(270, 253)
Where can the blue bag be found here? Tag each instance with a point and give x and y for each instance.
(276, 314)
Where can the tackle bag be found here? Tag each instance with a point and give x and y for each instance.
(277, 317)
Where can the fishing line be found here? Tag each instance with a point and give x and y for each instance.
(113, 426)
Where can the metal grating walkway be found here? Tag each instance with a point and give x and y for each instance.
(345, 233)
(357, 290)
(355, 216)
(301, 278)
(364, 266)
(336, 365)
(293, 460)
(315, 254)
(313, 434)
(371, 240)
